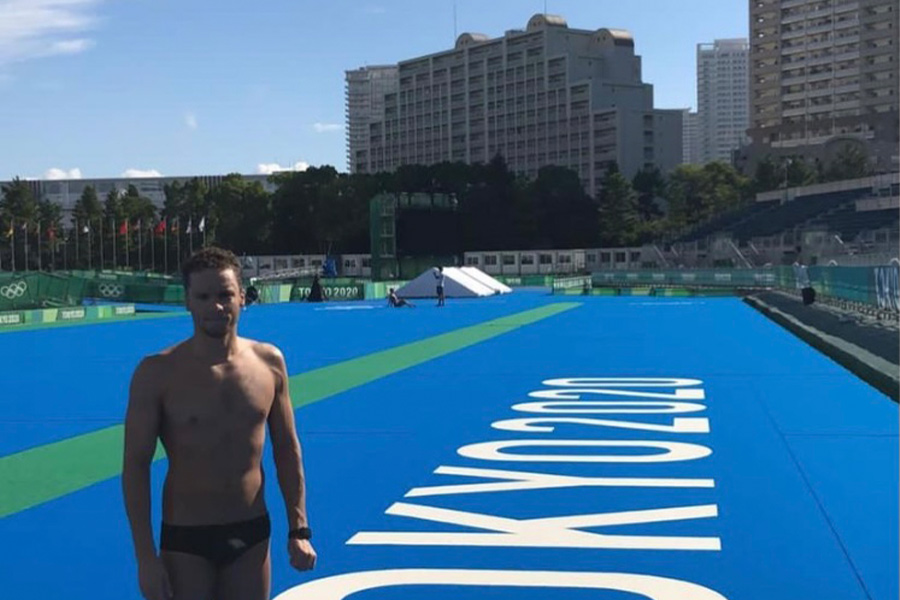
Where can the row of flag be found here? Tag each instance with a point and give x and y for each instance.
(159, 229)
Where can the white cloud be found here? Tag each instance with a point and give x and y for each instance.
(55, 173)
(138, 173)
(70, 46)
(269, 168)
(190, 119)
(327, 127)
(38, 28)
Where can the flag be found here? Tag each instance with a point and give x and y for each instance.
(51, 233)
(160, 227)
(10, 231)
(123, 228)
(86, 228)
(201, 227)
(188, 230)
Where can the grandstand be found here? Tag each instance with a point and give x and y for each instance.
(846, 217)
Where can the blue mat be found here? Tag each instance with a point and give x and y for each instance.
(803, 455)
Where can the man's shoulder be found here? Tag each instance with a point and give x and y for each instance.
(161, 359)
(269, 353)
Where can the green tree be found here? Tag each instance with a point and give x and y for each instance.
(650, 186)
(18, 202)
(18, 212)
(49, 217)
(240, 216)
(566, 215)
(619, 216)
(850, 162)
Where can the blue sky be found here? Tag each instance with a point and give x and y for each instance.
(101, 88)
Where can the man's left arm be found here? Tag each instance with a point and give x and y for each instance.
(289, 463)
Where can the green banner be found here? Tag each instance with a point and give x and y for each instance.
(65, 314)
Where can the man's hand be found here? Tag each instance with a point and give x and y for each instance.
(154, 580)
(303, 556)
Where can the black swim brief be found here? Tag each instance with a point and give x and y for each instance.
(221, 544)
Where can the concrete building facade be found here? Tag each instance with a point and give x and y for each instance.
(545, 95)
(824, 72)
(722, 98)
(366, 88)
(690, 135)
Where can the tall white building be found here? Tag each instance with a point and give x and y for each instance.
(544, 95)
(722, 98)
(365, 92)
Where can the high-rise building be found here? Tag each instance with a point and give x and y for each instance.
(823, 72)
(545, 95)
(722, 106)
(690, 134)
(365, 92)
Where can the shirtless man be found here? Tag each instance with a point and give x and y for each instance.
(209, 399)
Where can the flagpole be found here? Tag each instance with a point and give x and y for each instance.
(12, 226)
(140, 248)
(153, 250)
(166, 247)
(40, 265)
(100, 233)
(115, 262)
(26, 246)
(178, 240)
(127, 253)
(91, 247)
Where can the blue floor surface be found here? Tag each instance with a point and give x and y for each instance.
(803, 454)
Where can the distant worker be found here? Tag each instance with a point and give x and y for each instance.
(439, 277)
(801, 279)
(252, 295)
(396, 301)
(316, 291)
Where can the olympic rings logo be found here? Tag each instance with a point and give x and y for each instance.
(15, 289)
(110, 290)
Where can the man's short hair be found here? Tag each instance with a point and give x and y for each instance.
(210, 257)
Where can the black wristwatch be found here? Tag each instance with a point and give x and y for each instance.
(301, 533)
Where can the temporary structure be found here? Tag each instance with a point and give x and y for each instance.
(457, 284)
(482, 277)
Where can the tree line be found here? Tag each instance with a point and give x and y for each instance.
(322, 211)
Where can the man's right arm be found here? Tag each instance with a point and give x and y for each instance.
(142, 422)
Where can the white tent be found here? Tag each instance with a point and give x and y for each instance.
(482, 277)
(457, 284)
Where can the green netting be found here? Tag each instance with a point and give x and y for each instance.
(877, 286)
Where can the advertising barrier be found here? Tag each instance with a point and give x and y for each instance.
(65, 314)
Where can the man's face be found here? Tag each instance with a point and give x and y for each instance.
(214, 299)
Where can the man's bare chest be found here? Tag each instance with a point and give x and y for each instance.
(218, 397)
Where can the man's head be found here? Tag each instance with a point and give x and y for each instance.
(213, 292)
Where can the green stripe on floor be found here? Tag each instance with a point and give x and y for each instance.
(41, 474)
